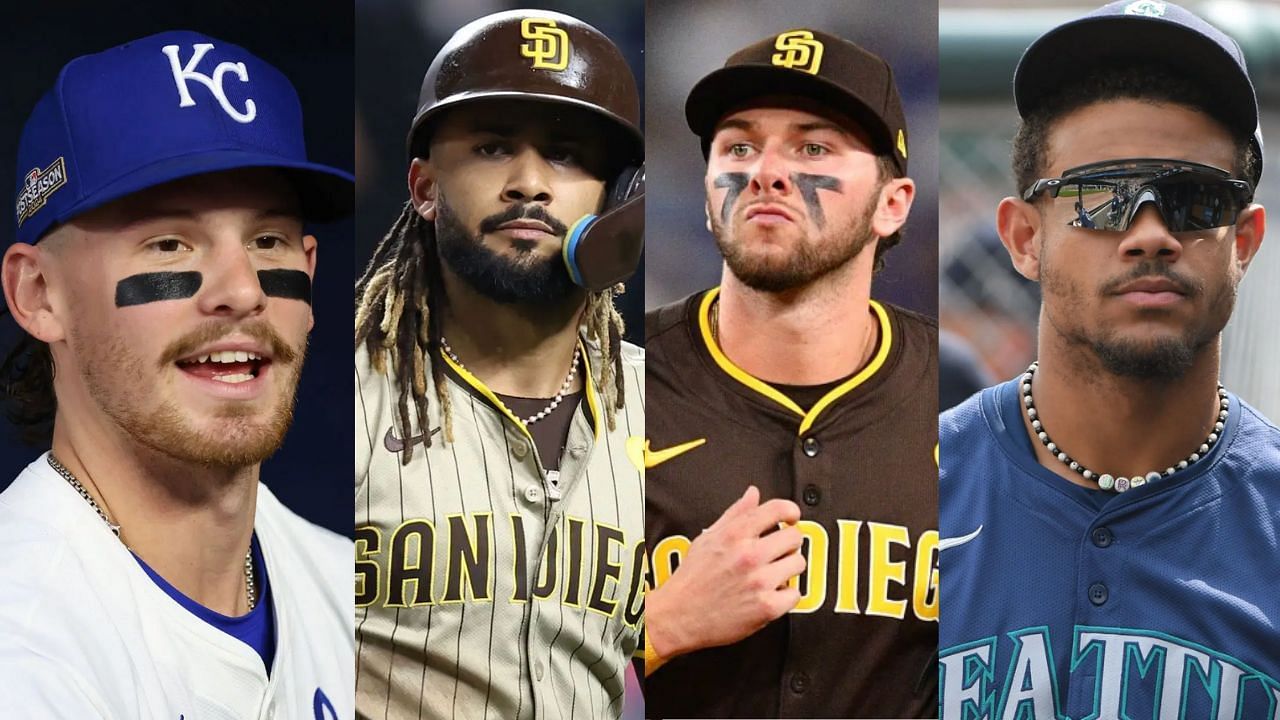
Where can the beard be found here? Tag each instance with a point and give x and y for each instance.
(232, 438)
(809, 262)
(1164, 358)
(525, 279)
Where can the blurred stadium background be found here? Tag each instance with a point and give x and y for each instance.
(684, 41)
(982, 299)
(395, 42)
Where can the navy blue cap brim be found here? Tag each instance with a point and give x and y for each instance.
(325, 193)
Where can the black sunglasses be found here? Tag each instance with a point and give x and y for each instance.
(1108, 194)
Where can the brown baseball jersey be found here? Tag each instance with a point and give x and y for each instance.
(484, 589)
(861, 465)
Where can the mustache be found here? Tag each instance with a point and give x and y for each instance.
(211, 332)
(525, 211)
(1153, 269)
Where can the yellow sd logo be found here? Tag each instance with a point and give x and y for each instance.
(798, 51)
(548, 45)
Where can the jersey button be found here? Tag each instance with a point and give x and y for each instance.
(519, 448)
(811, 446)
(812, 495)
(799, 683)
(533, 494)
(537, 670)
(1098, 593)
(1102, 537)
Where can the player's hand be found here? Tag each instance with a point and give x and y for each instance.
(732, 582)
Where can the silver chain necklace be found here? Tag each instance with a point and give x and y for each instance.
(555, 401)
(1106, 481)
(251, 593)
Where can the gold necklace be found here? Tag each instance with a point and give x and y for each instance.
(251, 593)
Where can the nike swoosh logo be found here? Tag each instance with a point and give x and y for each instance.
(948, 543)
(635, 452)
(395, 444)
(654, 458)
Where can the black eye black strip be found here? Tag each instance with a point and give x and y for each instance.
(809, 186)
(157, 286)
(736, 182)
(290, 284)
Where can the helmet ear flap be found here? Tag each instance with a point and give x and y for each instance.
(628, 184)
(602, 251)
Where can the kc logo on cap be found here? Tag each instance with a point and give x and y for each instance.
(181, 74)
(798, 50)
(159, 109)
(548, 45)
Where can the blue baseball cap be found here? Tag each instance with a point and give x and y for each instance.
(1151, 31)
(158, 109)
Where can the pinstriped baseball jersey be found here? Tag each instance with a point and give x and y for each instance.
(479, 594)
(860, 464)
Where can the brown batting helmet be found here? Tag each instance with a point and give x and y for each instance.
(533, 56)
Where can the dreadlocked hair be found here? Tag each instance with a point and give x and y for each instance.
(399, 301)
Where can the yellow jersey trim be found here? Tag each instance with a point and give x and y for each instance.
(489, 395)
(590, 383)
(807, 419)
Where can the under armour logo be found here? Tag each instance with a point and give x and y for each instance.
(181, 74)
(548, 45)
(798, 51)
(1150, 8)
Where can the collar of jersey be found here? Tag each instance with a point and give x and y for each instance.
(1002, 406)
(493, 399)
(807, 419)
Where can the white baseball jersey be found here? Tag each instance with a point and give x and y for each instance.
(484, 589)
(85, 633)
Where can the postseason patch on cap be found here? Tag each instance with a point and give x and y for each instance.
(798, 50)
(38, 186)
(1150, 8)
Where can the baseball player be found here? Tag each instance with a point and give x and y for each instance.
(1109, 517)
(788, 396)
(499, 483)
(163, 279)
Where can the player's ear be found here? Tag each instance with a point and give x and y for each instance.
(1018, 223)
(423, 188)
(1250, 226)
(309, 246)
(25, 273)
(893, 206)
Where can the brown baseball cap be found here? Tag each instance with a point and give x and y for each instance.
(533, 56)
(812, 64)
